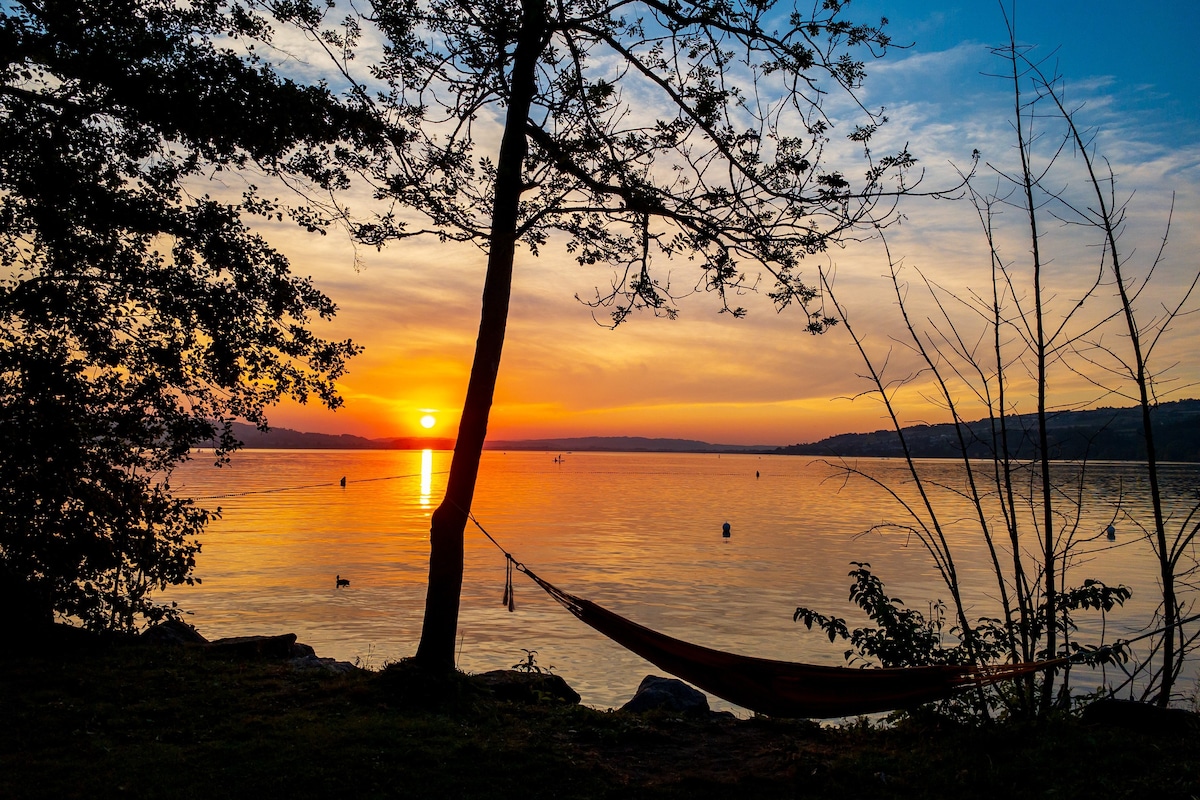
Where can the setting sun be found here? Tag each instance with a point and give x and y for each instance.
(428, 421)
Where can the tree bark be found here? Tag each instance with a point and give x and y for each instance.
(448, 523)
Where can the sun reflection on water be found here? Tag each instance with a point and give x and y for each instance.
(426, 477)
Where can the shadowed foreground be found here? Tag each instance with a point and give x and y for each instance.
(85, 720)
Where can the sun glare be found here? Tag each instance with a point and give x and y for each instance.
(428, 421)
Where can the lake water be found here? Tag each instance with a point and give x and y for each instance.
(638, 533)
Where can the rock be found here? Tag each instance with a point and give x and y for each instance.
(1142, 717)
(666, 693)
(173, 631)
(312, 662)
(302, 650)
(285, 646)
(254, 647)
(527, 687)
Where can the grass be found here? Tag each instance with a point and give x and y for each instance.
(167, 722)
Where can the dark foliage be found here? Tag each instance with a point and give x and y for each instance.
(139, 316)
(904, 637)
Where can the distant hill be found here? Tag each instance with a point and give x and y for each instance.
(286, 439)
(413, 443)
(626, 444)
(1104, 434)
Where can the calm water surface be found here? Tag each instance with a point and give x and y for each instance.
(638, 533)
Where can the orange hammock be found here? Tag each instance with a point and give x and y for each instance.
(782, 688)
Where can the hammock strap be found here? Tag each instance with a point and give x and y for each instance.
(567, 600)
(510, 563)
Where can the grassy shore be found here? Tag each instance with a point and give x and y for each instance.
(101, 721)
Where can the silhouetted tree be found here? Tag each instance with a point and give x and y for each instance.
(138, 317)
(626, 133)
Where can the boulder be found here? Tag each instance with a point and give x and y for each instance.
(527, 687)
(254, 647)
(315, 663)
(669, 694)
(302, 650)
(173, 631)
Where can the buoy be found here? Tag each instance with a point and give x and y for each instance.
(1112, 533)
(725, 530)
(343, 481)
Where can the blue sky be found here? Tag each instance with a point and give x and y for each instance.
(1149, 49)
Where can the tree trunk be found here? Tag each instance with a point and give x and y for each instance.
(449, 520)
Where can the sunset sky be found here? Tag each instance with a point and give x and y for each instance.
(762, 379)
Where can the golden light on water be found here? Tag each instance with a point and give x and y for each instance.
(270, 562)
(426, 476)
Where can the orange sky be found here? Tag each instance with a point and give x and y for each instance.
(757, 380)
(762, 379)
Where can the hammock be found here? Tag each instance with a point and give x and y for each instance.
(782, 688)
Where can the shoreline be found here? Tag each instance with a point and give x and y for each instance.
(89, 718)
